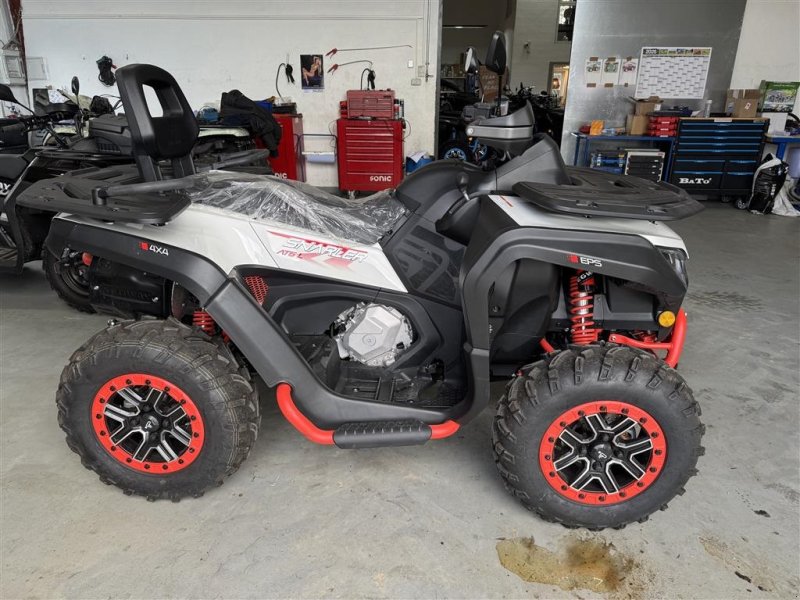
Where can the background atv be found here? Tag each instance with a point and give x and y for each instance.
(107, 142)
(383, 321)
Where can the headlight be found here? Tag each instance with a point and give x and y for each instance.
(677, 258)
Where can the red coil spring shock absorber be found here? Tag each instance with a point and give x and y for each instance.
(581, 309)
(200, 318)
(204, 321)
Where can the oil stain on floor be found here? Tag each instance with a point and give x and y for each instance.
(587, 564)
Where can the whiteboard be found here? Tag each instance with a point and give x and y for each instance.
(673, 72)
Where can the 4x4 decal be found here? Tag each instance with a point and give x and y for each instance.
(148, 247)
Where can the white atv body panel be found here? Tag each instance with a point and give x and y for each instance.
(526, 214)
(231, 240)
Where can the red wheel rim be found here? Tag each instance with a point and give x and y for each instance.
(602, 452)
(147, 423)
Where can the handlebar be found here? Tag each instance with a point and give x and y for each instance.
(239, 158)
(13, 128)
(35, 122)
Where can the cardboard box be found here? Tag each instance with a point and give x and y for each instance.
(742, 104)
(778, 96)
(637, 124)
(648, 105)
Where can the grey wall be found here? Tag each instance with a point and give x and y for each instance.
(622, 27)
(471, 12)
(535, 25)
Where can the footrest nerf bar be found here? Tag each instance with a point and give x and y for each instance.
(370, 434)
(381, 433)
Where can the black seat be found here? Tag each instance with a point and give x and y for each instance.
(170, 136)
(12, 166)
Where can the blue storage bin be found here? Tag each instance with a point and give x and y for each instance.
(412, 165)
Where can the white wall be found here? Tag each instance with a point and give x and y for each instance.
(769, 45)
(535, 24)
(212, 46)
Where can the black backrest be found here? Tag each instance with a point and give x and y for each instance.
(168, 137)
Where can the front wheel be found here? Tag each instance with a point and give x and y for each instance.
(158, 409)
(596, 437)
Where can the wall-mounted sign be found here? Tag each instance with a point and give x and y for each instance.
(673, 72)
(312, 73)
(610, 76)
(630, 67)
(593, 71)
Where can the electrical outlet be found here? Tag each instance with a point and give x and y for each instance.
(416, 81)
(420, 70)
(411, 64)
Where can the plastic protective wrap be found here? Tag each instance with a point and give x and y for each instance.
(300, 205)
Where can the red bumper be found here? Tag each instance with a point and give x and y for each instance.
(673, 347)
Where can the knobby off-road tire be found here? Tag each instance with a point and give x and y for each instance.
(192, 393)
(67, 281)
(560, 399)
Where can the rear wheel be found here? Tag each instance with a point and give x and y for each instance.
(598, 436)
(158, 409)
(456, 149)
(68, 277)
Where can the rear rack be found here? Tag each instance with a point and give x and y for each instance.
(111, 194)
(596, 193)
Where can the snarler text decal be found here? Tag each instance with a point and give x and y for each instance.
(296, 247)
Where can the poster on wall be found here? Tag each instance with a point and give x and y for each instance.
(312, 72)
(593, 71)
(630, 67)
(673, 72)
(610, 76)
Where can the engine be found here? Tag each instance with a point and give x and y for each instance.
(372, 334)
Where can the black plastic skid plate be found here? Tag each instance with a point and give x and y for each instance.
(601, 194)
(72, 193)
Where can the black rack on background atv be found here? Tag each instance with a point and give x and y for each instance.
(590, 432)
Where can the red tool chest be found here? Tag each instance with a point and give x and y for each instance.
(370, 154)
(289, 162)
(378, 104)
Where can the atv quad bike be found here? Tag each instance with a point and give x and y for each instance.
(383, 321)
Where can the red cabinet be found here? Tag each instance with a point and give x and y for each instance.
(289, 162)
(369, 154)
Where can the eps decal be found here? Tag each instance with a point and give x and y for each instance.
(585, 260)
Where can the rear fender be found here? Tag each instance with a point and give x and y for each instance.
(194, 272)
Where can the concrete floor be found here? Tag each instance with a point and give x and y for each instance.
(300, 520)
